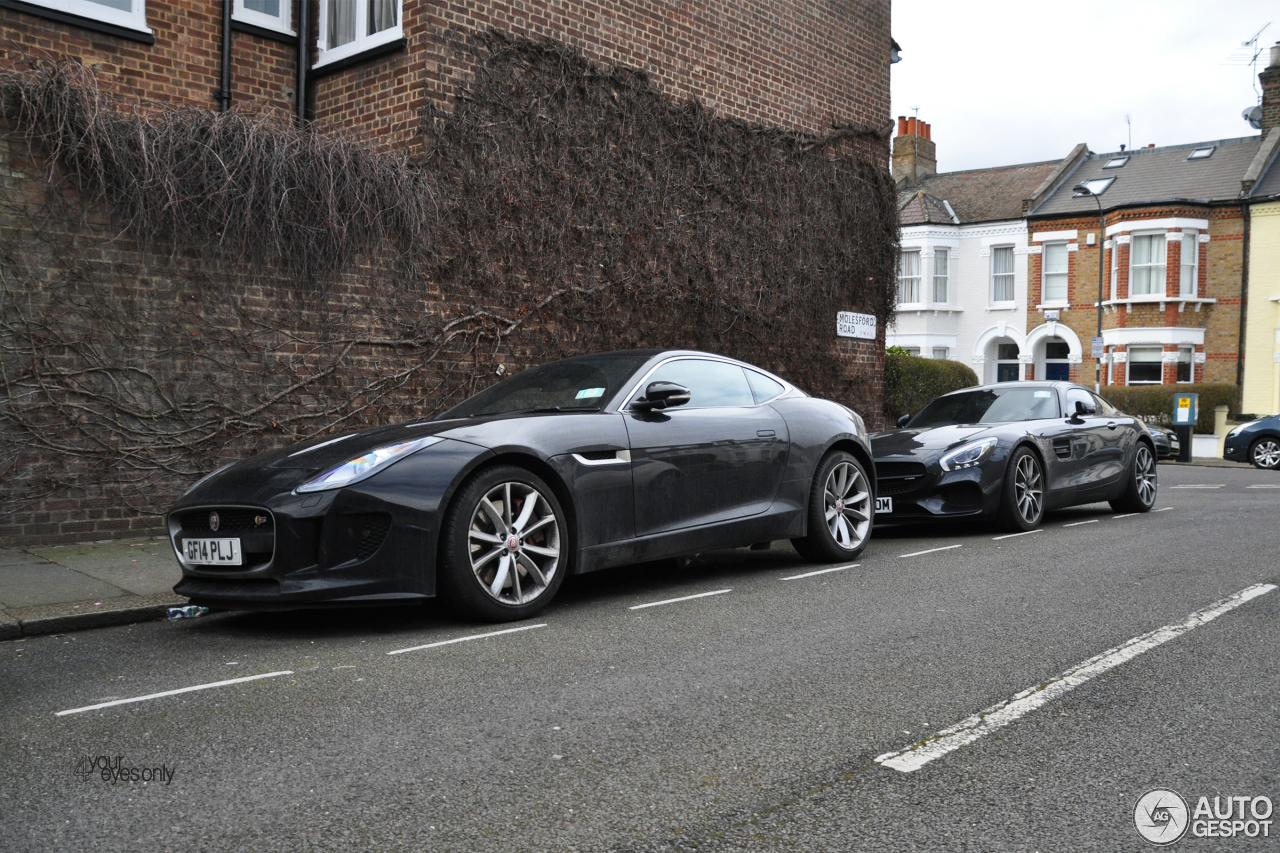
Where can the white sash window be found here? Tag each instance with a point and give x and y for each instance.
(349, 27)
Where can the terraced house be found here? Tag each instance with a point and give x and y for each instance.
(1000, 267)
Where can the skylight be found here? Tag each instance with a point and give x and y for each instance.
(1097, 186)
(1202, 153)
(1116, 162)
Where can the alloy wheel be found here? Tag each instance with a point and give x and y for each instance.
(1028, 489)
(1266, 453)
(1145, 472)
(847, 504)
(514, 543)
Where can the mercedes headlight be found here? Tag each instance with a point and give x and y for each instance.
(366, 465)
(968, 455)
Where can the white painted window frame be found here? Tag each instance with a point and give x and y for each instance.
(1133, 267)
(1046, 301)
(904, 279)
(944, 279)
(946, 353)
(1012, 274)
(135, 19)
(1192, 375)
(362, 43)
(1115, 268)
(1129, 363)
(1192, 237)
(281, 23)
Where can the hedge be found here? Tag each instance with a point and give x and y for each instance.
(1154, 403)
(910, 381)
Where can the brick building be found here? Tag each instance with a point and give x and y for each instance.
(392, 71)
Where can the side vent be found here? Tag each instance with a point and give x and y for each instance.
(1062, 447)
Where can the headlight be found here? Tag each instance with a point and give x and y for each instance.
(968, 455)
(1240, 427)
(365, 465)
(208, 476)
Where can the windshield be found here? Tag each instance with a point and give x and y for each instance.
(988, 406)
(574, 385)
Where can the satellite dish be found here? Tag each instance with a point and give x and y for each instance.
(1253, 115)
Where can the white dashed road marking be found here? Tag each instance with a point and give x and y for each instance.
(930, 551)
(1266, 486)
(1078, 523)
(997, 716)
(822, 572)
(1200, 486)
(467, 639)
(682, 598)
(1126, 515)
(173, 692)
(1162, 509)
(1011, 535)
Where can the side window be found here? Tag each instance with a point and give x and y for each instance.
(710, 383)
(763, 387)
(1075, 395)
(1104, 408)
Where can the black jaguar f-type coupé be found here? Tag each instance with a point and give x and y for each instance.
(570, 467)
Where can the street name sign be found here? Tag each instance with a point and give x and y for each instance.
(851, 325)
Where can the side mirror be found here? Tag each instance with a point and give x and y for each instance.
(662, 395)
(1081, 409)
(903, 421)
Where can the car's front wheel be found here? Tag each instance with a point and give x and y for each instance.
(505, 546)
(840, 510)
(1265, 453)
(1140, 495)
(1022, 504)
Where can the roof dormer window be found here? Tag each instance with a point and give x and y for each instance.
(1202, 153)
(1116, 162)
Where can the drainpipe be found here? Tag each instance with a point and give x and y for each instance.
(224, 93)
(1244, 299)
(304, 59)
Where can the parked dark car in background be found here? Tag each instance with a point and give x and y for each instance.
(566, 468)
(1256, 441)
(1011, 451)
(1167, 444)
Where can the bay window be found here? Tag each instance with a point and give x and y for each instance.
(1147, 265)
(1145, 366)
(1190, 263)
(941, 276)
(909, 278)
(1186, 368)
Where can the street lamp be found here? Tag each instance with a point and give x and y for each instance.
(1081, 190)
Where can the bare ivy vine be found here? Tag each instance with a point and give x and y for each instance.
(179, 287)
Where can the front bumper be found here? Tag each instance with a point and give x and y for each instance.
(336, 551)
(923, 492)
(1236, 448)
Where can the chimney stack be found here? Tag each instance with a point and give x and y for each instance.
(1270, 80)
(914, 155)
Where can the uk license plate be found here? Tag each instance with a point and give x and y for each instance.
(212, 552)
(884, 505)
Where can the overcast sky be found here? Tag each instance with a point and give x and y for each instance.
(1016, 82)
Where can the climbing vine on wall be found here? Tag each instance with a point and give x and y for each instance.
(179, 286)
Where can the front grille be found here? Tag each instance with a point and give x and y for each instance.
(890, 470)
(230, 518)
(895, 487)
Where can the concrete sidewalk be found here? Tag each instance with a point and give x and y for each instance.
(50, 589)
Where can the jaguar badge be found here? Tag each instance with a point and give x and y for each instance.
(214, 522)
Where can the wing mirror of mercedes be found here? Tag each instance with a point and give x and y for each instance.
(662, 395)
(903, 421)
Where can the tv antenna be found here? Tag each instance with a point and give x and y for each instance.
(915, 110)
(1248, 54)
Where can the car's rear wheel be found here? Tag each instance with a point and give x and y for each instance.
(1140, 495)
(840, 510)
(1265, 453)
(505, 546)
(1022, 504)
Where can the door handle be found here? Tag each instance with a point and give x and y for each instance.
(1111, 424)
(765, 433)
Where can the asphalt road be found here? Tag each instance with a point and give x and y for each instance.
(745, 720)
